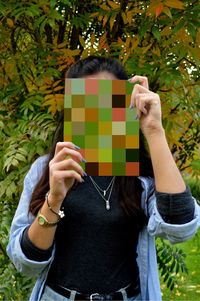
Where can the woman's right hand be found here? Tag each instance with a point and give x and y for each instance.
(64, 169)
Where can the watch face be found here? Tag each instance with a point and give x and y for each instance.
(41, 220)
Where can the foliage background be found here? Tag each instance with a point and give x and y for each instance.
(40, 39)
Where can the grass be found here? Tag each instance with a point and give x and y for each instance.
(188, 287)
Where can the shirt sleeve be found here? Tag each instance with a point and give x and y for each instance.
(176, 208)
(31, 251)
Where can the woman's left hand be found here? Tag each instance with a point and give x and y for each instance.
(148, 106)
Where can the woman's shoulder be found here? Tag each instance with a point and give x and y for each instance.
(36, 170)
(148, 183)
(39, 164)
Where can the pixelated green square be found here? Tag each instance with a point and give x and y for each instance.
(105, 114)
(79, 140)
(78, 86)
(67, 101)
(130, 114)
(91, 141)
(91, 101)
(132, 127)
(91, 128)
(119, 155)
(105, 155)
(67, 128)
(118, 169)
(105, 87)
(105, 141)
(129, 87)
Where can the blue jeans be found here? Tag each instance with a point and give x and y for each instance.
(50, 295)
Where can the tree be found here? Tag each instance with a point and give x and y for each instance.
(40, 39)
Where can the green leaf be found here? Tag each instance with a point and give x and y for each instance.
(192, 31)
(156, 32)
(180, 25)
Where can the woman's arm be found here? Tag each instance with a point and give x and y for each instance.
(64, 168)
(167, 176)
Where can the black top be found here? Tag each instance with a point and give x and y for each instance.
(96, 248)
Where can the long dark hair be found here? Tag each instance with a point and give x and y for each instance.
(128, 188)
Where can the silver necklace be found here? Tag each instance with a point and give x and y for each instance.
(99, 190)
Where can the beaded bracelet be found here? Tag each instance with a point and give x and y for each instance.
(60, 214)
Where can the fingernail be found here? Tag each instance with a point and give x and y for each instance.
(129, 79)
(82, 180)
(84, 173)
(83, 160)
(131, 106)
(136, 117)
(76, 147)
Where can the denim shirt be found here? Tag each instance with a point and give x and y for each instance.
(147, 262)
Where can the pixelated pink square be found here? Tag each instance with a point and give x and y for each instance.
(118, 114)
(91, 87)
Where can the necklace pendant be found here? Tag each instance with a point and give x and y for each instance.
(104, 192)
(107, 205)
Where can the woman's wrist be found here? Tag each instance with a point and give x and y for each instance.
(154, 133)
(59, 213)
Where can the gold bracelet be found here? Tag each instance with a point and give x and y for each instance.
(60, 214)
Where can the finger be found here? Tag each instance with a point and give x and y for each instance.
(142, 79)
(68, 144)
(137, 90)
(64, 174)
(67, 165)
(137, 107)
(64, 152)
(144, 101)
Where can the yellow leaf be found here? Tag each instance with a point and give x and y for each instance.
(100, 18)
(49, 98)
(93, 38)
(145, 49)
(104, 7)
(102, 41)
(127, 43)
(119, 41)
(62, 45)
(84, 54)
(82, 41)
(114, 5)
(167, 11)
(112, 20)
(93, 15)
(58, 88)
(175, 4)
(130, 16)
(10, 22)
(57, 82)
(166, 31)
(156, 51)
(59, 99)
(105, 20)
(135, 43)
(124, 17)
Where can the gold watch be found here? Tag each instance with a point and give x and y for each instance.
(43, 221)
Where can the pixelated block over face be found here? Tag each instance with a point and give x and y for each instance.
(97, 118)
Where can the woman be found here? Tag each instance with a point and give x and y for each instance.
(77, 248)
